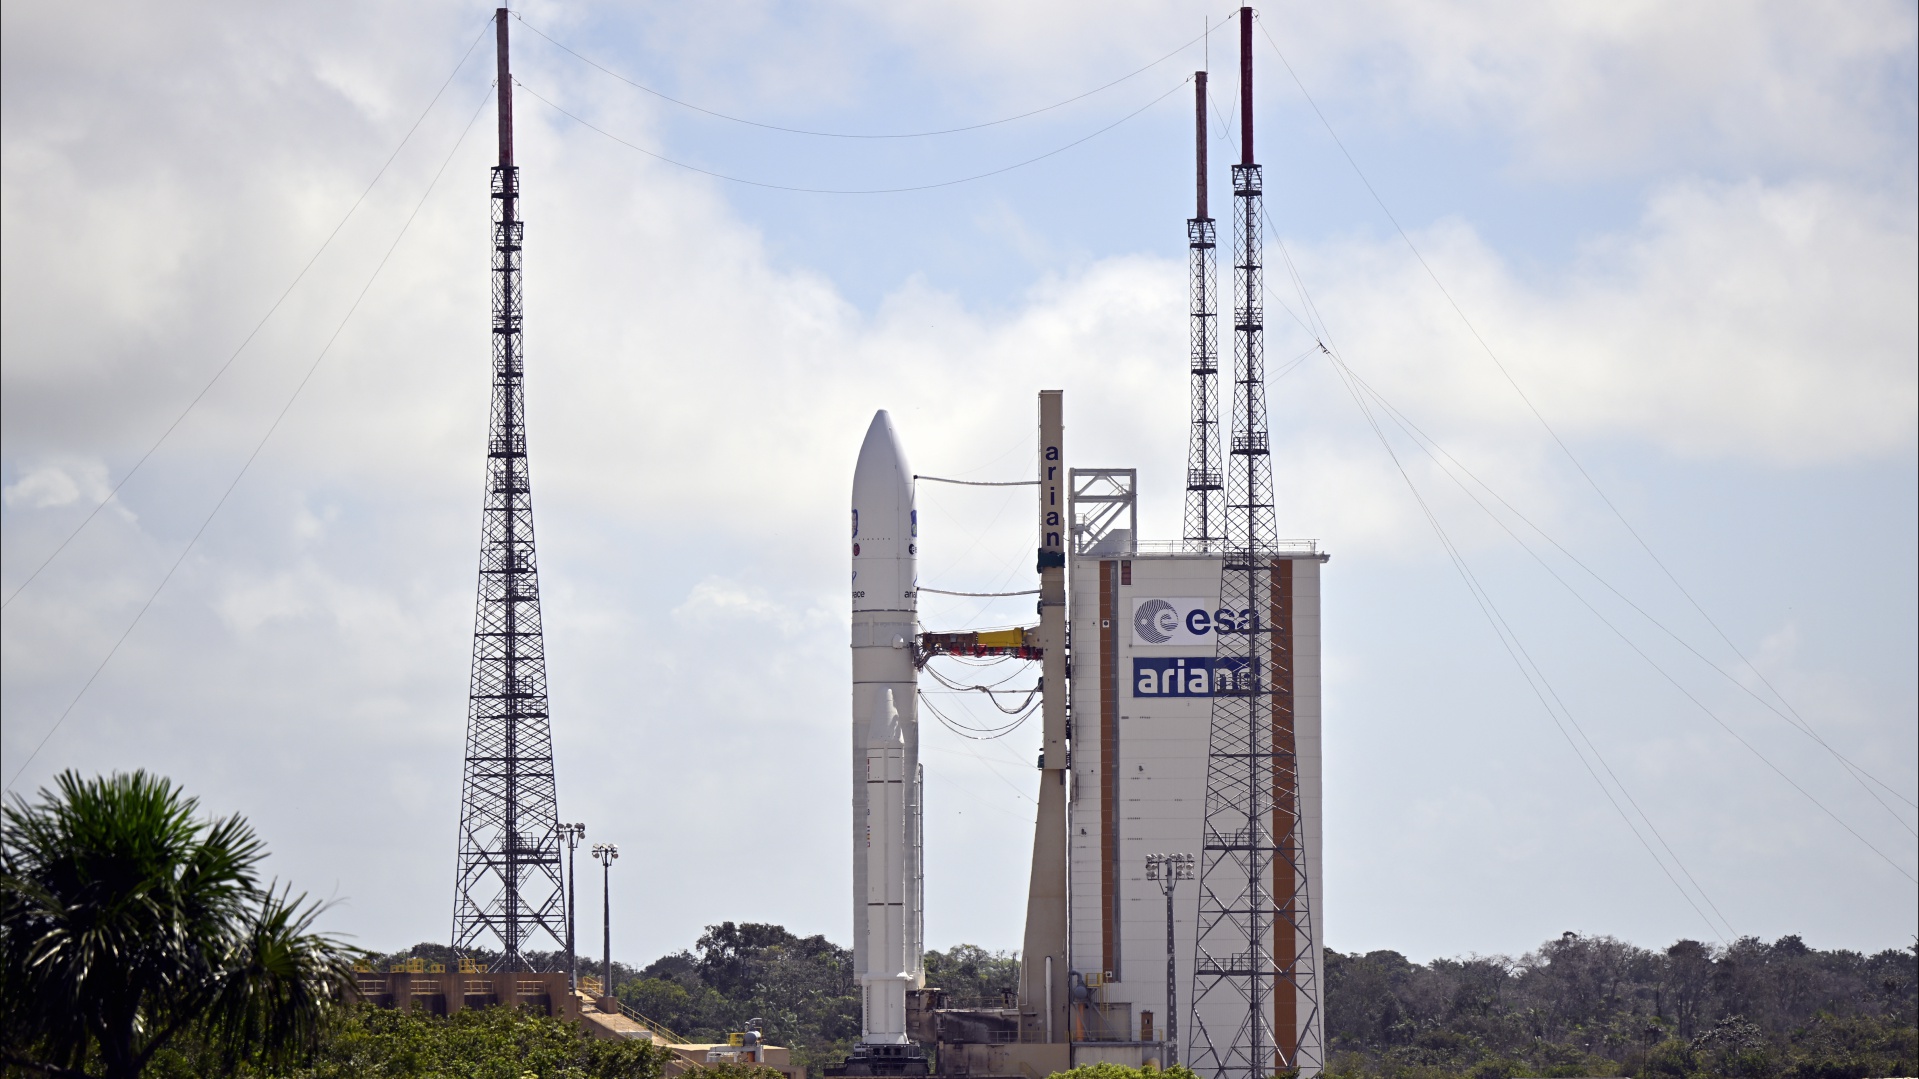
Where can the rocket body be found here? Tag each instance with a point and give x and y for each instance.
(887, 863)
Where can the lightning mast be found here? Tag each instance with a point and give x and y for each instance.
(1253, 970)
(508, 884)
(1205, 495)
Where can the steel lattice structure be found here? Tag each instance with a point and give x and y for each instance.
(1205, 494)
(509, 885)
(1253, 947)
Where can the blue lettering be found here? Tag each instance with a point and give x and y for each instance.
(1197, 622)
(1148, 683)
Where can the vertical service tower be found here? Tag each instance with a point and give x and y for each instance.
(888, 949)
(508, 885)
(1255, 991)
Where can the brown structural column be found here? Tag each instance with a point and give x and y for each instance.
(1108, 768)
(1043, 955)
(1285, 815)
(1246, 86)
(506, 90)
(1199, 130)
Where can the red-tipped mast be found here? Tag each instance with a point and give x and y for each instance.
(506, 91)
(1199, 130)
(1245, 84)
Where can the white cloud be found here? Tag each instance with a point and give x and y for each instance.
(1747, 320)
(696, 402)
(50, 485)
(1583, 89)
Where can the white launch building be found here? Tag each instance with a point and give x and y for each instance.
(1143, 620)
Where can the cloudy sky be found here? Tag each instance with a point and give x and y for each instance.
(1650, 377)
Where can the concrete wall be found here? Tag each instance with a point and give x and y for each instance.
(444, 994)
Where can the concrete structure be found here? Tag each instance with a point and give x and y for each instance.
(440, 993)
(1141, 696)
(416, 987)
(757, 1054)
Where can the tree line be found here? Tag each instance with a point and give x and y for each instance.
(138, 939)
(1595, 1005)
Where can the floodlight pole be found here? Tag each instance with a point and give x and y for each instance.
(571, 834)
(606, 853)
(1168, 870)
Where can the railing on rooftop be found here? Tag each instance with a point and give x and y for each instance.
(649, 1024)
(1279, 547)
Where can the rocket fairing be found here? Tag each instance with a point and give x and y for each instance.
(887, 874)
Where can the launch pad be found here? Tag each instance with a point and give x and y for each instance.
(1180, 704)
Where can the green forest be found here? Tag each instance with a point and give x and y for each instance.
(1576, 1006)
(1585, 1005)
(138, 939)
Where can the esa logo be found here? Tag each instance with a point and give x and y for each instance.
(1181, 621)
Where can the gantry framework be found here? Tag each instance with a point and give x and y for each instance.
(509, 888)
(1253, 947)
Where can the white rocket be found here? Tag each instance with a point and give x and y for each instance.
(888, 936)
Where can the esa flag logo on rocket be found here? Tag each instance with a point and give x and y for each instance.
(1178, 621)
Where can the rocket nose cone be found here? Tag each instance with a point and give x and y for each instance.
(882, 461)
(885, 543)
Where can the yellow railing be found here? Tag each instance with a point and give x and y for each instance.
(656, 1028)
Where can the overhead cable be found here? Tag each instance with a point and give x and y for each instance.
(845, 191)
(978, 595)
(1428, 444)
(1421, 439)
(976, 734)
(981, 483)
(258, 326)
(1528, 668)
(992, 692)
(845, 134)
(258, 446)
(1860, 775)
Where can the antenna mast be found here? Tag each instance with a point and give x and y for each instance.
(1255, 992)
(508, 884)
(1205, 502)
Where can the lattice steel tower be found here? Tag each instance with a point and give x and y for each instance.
(1253, 981)
(1205, 495)
(509, 886)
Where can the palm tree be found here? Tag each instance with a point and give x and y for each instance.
(125, 924)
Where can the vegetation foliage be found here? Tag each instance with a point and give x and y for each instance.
(127, 924)
(479, 1043)
(801, 988)
(1578, 1006)
(139, 940)
(1584, 1006)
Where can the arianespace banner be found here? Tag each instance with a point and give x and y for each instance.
(1187, 676)
(1170, 622)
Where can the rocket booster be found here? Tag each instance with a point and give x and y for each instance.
(887, 871)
